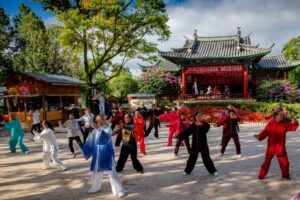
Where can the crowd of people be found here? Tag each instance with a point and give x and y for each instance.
(129, 128)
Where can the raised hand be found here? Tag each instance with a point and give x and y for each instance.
(256, 137)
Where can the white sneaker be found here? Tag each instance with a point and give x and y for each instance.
(64, 168)
(221, 154)
(27, 152)
(239, 156)
(121, 194)
(185, 174)
(215, 174)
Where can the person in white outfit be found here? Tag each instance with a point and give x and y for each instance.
(36, 124)
(99, 146)
(50, 147)
(88, 119)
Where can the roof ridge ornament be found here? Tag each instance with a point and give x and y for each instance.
(239, 48)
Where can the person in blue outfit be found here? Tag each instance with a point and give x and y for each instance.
(99, 146)
(17, 134)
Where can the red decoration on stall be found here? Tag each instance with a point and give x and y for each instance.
(24, 88)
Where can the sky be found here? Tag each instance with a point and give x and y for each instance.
(269, 21)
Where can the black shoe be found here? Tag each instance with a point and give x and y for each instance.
(141, 172)
(287, 178)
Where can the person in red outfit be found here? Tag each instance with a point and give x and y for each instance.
(276, 132)
(139, 131)
(182, 124)
(172, 117)
(230, 130)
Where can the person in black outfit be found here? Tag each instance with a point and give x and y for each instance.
(144, 112)
(154, 122)
(198, 130)
(129, 146)
(112, 116)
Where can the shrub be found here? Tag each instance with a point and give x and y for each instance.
(277, 91)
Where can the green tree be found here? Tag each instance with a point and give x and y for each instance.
(30, 41)
(5, 51)
(123, 85)
(37, 48)
(291, 51)
(109, 30)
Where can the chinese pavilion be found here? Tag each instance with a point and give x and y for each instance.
(224, 60)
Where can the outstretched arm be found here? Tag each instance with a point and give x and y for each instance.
(264, 133)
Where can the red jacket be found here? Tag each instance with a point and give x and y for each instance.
(139, 125)
(181, 125)
(276, 133)
(171, 117)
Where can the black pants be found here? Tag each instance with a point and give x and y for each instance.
(127, 150)
(86, 133)
(226, 139)
(206, 160)
(155, 125)
(113, 125)
(187, 145)
(36, 127)
(77, 139)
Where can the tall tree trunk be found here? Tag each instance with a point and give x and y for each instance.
(88, 76)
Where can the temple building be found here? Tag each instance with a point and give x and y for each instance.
(220, 61)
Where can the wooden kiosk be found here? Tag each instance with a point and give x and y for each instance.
(51, 94)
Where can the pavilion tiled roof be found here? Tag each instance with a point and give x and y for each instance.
(164, 65)
(232, 46)
(278, 62)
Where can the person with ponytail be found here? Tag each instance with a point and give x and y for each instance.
(50, 146)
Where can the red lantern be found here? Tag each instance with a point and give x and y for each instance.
(24, 88)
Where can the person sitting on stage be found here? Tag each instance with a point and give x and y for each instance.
(276, 132)
(226, 91)
(216, 90)
(209, 91)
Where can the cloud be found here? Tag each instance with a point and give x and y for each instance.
(270, 21)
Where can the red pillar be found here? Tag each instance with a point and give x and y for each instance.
(245, 76)
(183, 82)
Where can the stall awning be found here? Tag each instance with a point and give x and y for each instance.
(63, 95)
(22, 96)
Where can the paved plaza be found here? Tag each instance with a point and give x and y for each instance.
(22, 176)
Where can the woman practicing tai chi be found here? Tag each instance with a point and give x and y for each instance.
(230, 130)
(198, 130)
(99, 146)
(50, 147)
(129, 145)
(276, 132)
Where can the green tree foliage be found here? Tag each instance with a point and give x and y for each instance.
(37, 48)
(109, 32)
(123, 85)
(291, 51)
(5, 52)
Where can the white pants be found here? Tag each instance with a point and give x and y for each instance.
(48, 156)
(115, 182)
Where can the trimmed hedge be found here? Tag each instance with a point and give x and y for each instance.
(262, 107)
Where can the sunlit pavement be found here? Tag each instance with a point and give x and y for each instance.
(22, 177)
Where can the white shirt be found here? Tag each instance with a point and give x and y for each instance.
(88, 120)
(73, 128)
(36, 117)
(48, 137)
